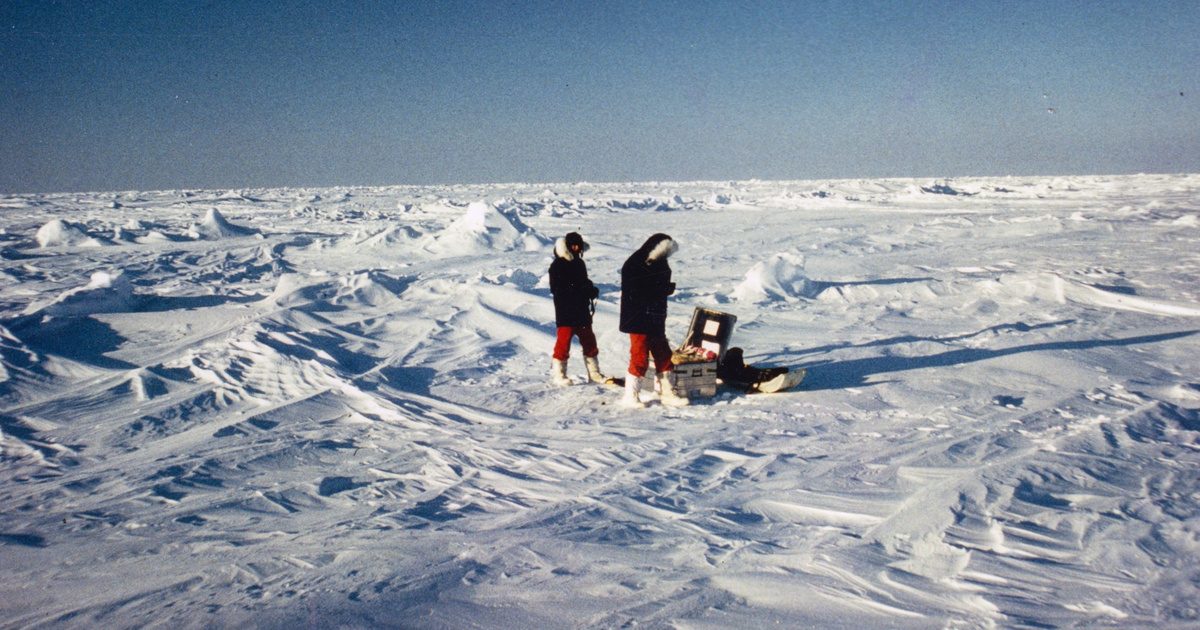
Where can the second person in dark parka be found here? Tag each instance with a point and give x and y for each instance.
(645, 285)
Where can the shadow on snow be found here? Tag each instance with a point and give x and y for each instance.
(855, 372)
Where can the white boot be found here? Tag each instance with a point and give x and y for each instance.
(666, 393)
(632, 397)
(558, 373)
(593, 369)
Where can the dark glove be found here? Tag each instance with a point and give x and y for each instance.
(670, 288)
(595, 293)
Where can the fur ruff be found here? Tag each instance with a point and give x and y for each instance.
(561, 250)
(664, 249)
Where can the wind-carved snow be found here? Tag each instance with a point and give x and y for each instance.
(484, 227)
(780, 277)
(336, 409)
(215, 226)
(60, 233)
(105, 292)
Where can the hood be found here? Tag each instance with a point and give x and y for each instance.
(659, 247)
(561, 251)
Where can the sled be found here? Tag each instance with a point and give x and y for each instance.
(784, 381)
(734, 372)
(711, 331)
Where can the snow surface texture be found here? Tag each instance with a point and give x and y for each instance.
(332, 408)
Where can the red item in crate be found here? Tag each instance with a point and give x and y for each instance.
(693, 354)
(710, 330)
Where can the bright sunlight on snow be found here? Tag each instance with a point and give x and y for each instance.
(332, 407)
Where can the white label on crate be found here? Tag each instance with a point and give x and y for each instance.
(711, 346)
(712, 327)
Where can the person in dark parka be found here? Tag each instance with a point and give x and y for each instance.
(645, 285)
(573, 294)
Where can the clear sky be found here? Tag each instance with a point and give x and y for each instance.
(118, 95)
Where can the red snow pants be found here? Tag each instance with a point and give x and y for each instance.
(641, 347)
(587, 339)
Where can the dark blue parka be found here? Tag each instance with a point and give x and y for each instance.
(645, 285)
(573, 291)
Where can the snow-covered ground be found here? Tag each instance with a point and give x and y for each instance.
(332, 407)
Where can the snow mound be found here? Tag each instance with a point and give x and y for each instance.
(368, 288)
(216, 227)
(387, 238)
(484, 227)
(520, 278)
(107, 292)
(296, 289)
(868, 292)
(145, 385)
(62, 233)
(781, 277)
(155, 236)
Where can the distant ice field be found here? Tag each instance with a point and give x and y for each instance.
(333, 408)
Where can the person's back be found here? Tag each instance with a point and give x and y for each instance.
(645, 286)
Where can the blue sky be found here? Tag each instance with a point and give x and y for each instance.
(106, 95)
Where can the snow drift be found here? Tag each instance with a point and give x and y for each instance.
(484, 227)
(780, 277)
(106, 292)
(347, 420)
(216, 226)
(59, 233)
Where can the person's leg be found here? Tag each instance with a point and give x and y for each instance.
(660, 349)
(562, 349)
(639, 360)
(638, 363)
(562, 343)
(591, 352)
(587, 339)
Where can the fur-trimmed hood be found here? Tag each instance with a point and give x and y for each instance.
(562, 251)
(646, 285)
(658, 247)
